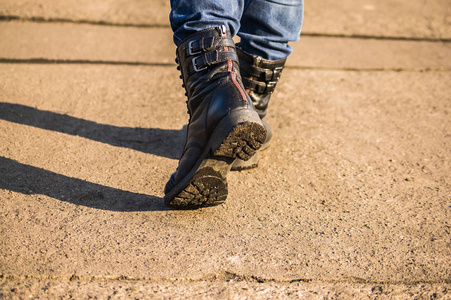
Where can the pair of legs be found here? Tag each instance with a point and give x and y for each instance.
(264, 26)
(228, 88)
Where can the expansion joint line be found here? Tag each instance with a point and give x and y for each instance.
(37, 19)
(47, 61)
(50, 61)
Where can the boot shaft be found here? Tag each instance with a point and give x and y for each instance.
(210, 72)
(205, 53)
(260, 77)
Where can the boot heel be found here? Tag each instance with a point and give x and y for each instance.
(239, 135)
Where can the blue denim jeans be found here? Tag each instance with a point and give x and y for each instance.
(264, 26)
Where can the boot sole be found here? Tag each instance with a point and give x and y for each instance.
(238, 135)
(252, 163)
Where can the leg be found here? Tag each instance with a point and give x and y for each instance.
(268, 25)
(188, 17)
(263, 50)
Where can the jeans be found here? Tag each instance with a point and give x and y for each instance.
(264, 26)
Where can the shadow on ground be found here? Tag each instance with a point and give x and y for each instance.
(154, 141)
(30, 180)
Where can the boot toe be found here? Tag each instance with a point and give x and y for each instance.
(170, 184)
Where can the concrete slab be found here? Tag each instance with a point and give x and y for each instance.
(135, 12)
(389, 18)
(24, 40)
(350, 201)
(355, 187)
(93, 44)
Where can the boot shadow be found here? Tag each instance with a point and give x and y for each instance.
(29, 180)
(154, 141)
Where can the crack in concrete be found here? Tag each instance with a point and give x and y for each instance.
(220, 277)
(152, 64)
(8, 18)
(223, 276)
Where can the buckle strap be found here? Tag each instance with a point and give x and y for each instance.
(260, 73)
(205, 44)
(259, 61)
(258, 86)
(203, 61)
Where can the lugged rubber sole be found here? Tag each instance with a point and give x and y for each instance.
(208, 187)
(241, 165)
(206, 184)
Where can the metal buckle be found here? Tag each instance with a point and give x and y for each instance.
(190, 48)
(195, 64)
(270, 86)
(276, 73)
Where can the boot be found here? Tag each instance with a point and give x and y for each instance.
(223, 124)
(260, 77)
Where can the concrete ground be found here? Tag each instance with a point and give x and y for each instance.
(351, 201)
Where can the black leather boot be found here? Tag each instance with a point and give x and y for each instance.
(223, 124)
(260, 77)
